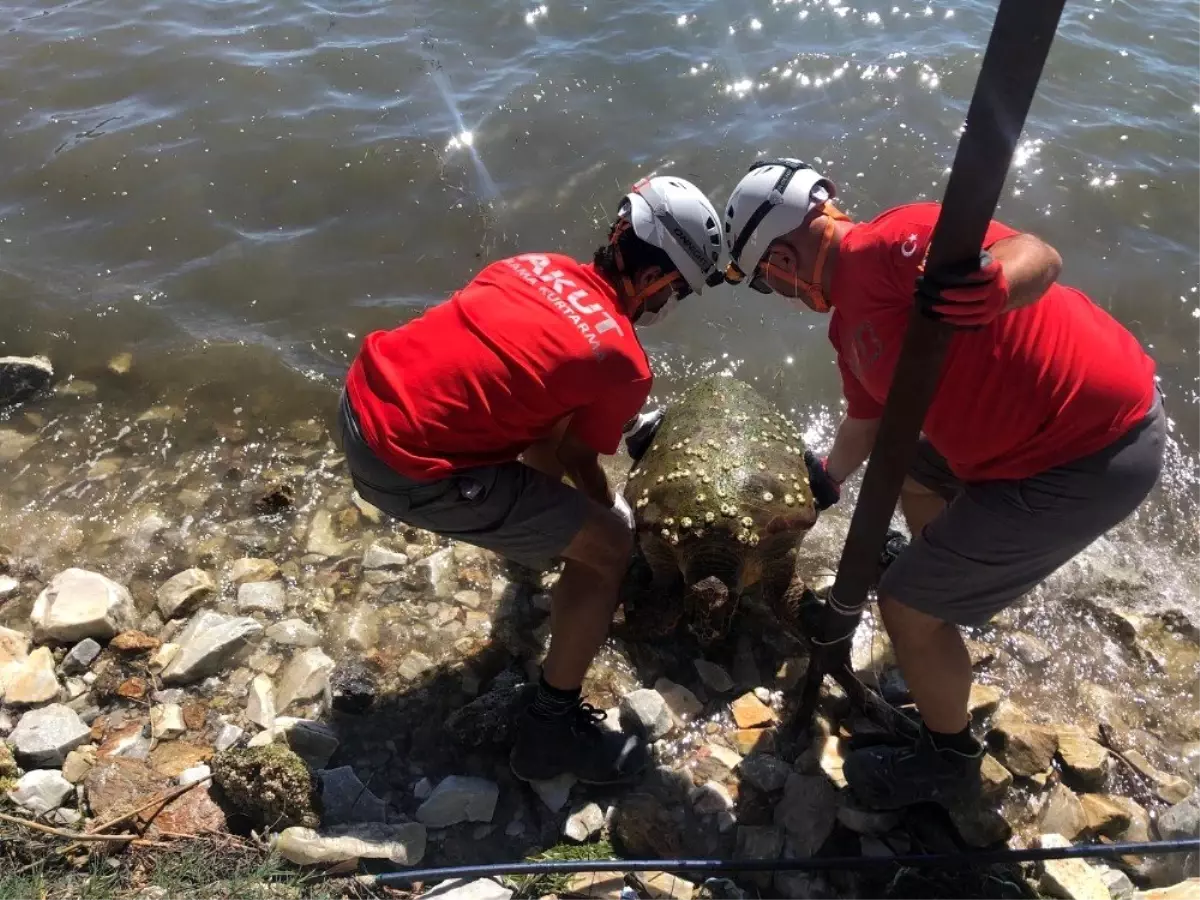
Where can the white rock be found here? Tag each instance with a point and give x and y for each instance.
(79, 604)
(207, 645)
(161, 658)
(229, 735)
(710, 798)
(381, 557)
(457, 799)
(359, 630)
(321, 539)
(45, 736)
(193, 774)
(402, 844)
(260, 702)
(250, 569)
(263, 738)
(763, 694)
(1070, 879)
(646, 709)
(183, 592)
(32, 681)
(306, 677)
(433, 573)
(166, 721)
(8, 586)
(554, 792)
(294, 633)
(730, 759)
(261, 596)
(414, 665)
(714, 677)
(584, 823)
(41, 790)
(683, 703)
(460, 889)
(14, 647)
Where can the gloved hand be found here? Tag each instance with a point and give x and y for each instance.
(826, 490)
(639, 432)
(621, 508)
(968, 299)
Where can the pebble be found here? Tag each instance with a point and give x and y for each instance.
(79, 604)
(424, 787)
(762, 694)
(78, 763)
(40, 791)
(306, 677)
(414, 665)
(381, 557)
(726, 757)
(251, 569)
(45, 736)
(193, 774)
(293, 633)
(228, 736)
(261, 596)
(166, 721)
(260, 702)
(647, 710)
(183, 592)
(584, 823)
(81, 657)
(459, 798)
(715, 678)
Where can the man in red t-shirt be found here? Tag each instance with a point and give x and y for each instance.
(1045, 431)
(463, 422)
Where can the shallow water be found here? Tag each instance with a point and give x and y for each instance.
(236, 193)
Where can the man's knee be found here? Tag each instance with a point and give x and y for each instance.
(904, 622)
(603, 544)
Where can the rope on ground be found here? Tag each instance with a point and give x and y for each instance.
(815, 863)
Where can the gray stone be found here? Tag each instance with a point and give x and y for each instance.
(424, 787)
(260, 702)
(21, 377)
(306, 677)
(1118, 884)
(314, 742)
(682, 703)
(380, 557)
(321, 539)
(79, 604)
(294, 633)
(81, 657)
(8, 586)
(208, 645)
(714, 677)
(402, 844)
(45, 736)
(807, 811)
(457, 799)
(249, 569)
(228, 736)
(31, 681)
(433, 573)
(1063, 814)
(182, 593)
(1070, 879)
(711, 798)
(646, 710)
(261, 596)
(40, 791)
(584, 823)
(414, 665)
(1180, 821)
(553, 792)
(461, 889)
(765, 772)
(345, 799)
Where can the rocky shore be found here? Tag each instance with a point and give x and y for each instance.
(224, 616)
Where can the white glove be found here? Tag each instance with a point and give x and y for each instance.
(621, 508)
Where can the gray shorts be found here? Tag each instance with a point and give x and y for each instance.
(509, 508)
(997, 540)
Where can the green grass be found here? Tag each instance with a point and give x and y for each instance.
(527, 886)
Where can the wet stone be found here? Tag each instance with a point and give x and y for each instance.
(261, 596)
(1083, 759)
(1104, 816)
(184, 592)
(1070, 879)
(381, 557)
(1026, 749)
(767, 773)
(251, 569)
(682, 703)
(1063, 814)
(711, 798)
(750, 712)
(414, 665)
(352, 687)
(983, 700)
(293, 633)
(22, 377)
(208, 645)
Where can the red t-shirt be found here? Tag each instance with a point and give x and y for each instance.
(477, 379)
(1039, 387)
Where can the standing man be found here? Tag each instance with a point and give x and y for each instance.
(1045, 431)
(537, 359)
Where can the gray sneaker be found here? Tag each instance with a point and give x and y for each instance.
(893, 777)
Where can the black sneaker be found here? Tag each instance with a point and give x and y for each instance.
(575, 742)
(886, 777)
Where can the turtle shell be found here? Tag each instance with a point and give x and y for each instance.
(723, 484)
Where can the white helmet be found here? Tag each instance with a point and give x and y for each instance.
(675, 216)
(773, 198)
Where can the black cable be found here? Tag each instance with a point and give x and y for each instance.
(808, 864)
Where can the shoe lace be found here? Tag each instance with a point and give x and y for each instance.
(588, 717)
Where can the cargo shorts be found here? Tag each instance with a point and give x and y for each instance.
(997, 540)
(510, 508)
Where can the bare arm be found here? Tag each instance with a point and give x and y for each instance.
(582, 465)
(851, 447)
(1030, 265)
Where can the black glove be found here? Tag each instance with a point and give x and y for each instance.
(825, 490)
(639, 432)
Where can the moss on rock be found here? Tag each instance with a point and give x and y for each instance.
(271, 785)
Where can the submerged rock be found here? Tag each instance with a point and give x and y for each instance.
(79, 604)
(294, 633)
(21, 377)
(352, 687)
(250, 569)
(1025, 749)
(183, 592)
(1063, 814)
(306, 677)
(271, 785)
(402, 844)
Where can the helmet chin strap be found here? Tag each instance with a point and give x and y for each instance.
(813, 290)
(634, 298)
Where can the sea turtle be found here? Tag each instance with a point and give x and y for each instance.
(721, 501)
